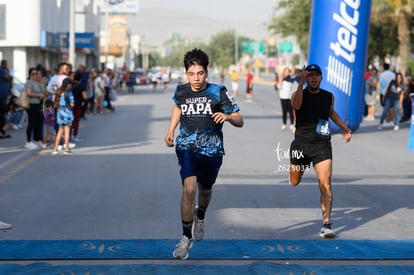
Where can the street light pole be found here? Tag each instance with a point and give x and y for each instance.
(106, 32)
(72, 33)
(236, 48)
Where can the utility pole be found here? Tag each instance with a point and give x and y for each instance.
(236, 48)
(72, 33)
(106, 31)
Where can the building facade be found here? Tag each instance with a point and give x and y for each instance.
(37, 32)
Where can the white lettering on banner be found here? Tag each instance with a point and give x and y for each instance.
(196, 106)
(339, 73)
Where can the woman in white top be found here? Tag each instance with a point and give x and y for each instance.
(285, 92)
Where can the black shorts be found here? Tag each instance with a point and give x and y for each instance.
(303, 153)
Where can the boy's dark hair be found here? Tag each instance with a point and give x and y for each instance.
(196, 57)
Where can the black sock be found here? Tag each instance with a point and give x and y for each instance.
(201, 212)
(187, 229)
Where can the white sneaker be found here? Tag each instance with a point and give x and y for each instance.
(396, 128)
(292, 127)
(197, 230)
(39, 144)
(380, 127)
(60, 147)
(72, 145)
(68, 152)
(326, 231)
(30, 146)
(15, 127)
(283, 127)
(181, 249)
(4, 225)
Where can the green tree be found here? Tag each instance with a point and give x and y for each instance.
(221, 49)
(292, 17)
(382, 32)
(390, 19)
(402, 17)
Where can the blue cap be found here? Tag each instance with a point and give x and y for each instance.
(313, 67)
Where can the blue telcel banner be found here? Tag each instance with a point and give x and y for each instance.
(338, 44)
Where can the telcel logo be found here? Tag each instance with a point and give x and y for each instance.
(340, 73)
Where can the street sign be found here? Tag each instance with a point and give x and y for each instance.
(253, 47)
(286, 47)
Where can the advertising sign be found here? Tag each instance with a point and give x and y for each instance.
(338, 44)
(119, 6)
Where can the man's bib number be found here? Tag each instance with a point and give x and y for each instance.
(323, 127)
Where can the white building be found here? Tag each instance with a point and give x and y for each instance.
(36, 32)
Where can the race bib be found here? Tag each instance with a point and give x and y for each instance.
(323, 127)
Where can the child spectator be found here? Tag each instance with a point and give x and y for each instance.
(64, 102)
(48, 124)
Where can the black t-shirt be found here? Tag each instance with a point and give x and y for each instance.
(315, 108)
(77, 94)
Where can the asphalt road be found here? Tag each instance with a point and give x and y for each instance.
(122, 182)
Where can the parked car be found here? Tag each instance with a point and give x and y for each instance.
(141, 78)
(18, 86)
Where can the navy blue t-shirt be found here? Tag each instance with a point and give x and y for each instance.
(198, 131)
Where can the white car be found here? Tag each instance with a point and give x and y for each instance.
(18, 86)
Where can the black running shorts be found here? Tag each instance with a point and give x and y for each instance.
(303, 153)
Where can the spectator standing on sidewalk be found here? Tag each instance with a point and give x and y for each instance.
(285, 92)
(6, 81)
(56, 81)
(99, 94)
(80, 96)
(384, 80)
(249, 86)
(48, 124)
(35, 122)
(64, 71)
(393, 98)
(64, 102)
(201, 109)
(371, 94)
(409, 89)
(107, 88)
(90, 90)
(235, 83)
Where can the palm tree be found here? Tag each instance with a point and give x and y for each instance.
(401, 16)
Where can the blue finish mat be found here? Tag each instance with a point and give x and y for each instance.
(162, 269)
(208, 249)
